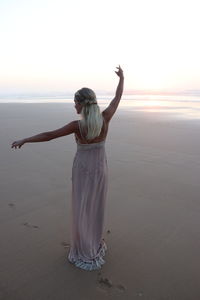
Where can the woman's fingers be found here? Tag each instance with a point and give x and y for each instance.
(119, 72)
(119, 68)
(16, 144)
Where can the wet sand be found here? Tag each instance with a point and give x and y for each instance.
(152, 218)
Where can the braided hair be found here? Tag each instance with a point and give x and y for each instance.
(92, 119)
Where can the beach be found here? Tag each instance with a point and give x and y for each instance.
(152, 213)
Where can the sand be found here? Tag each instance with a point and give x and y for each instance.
(152, 214)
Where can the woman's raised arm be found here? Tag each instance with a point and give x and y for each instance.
(110, 110)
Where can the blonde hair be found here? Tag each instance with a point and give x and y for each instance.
(92, 119)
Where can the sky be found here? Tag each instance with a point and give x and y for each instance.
(63, 45)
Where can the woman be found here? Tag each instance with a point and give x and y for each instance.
(89, 175)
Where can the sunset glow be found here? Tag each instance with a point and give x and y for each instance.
(63, 45)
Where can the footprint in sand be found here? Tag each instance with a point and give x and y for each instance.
(106, 284)
(26, 224)
(120, 287)
(29, 225)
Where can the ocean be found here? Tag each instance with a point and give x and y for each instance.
(174, 106)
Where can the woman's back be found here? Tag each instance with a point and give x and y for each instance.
(80, 133)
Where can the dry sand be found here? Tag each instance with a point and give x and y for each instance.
(152, 218)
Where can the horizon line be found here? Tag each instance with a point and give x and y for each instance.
(103, 92)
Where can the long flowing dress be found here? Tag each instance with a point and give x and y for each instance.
(89, 194)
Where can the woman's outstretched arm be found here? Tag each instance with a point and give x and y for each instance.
(41, 137)
(47, 136)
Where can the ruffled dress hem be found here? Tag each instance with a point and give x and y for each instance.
(94, 264)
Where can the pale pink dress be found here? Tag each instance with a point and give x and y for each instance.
(89, 193)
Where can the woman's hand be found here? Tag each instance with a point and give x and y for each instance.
(18, 144)
(119, 72)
